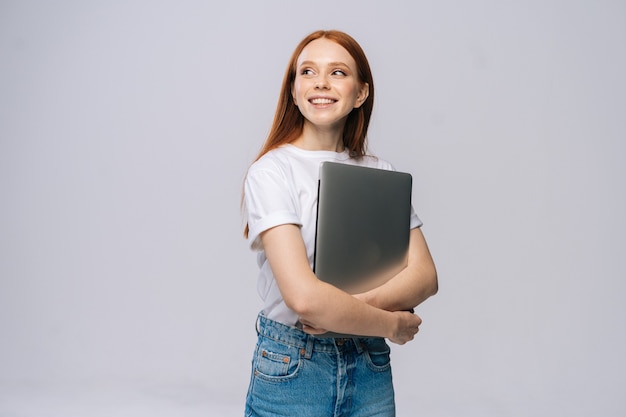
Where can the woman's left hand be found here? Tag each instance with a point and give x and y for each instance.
(310, 329)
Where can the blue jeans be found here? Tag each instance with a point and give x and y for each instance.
(296, 374)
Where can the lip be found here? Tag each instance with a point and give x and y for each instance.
(321, 100)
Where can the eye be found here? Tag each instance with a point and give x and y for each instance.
(306, 71)
(339, 72)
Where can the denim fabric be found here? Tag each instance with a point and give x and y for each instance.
(295, 374)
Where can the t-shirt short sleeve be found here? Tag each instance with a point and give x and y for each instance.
(268, 202)
(414, 221)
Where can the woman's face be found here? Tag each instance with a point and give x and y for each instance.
(326, 87)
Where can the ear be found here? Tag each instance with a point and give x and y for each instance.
(293, 95)
(364, 93)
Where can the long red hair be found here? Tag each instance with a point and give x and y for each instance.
(288, 121)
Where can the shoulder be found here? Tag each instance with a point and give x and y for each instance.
(372, 161)
(276, 160)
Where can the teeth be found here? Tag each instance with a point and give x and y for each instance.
(322, 101)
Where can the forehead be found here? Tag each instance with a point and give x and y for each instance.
(323, 51)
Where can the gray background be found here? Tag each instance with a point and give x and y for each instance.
(125, 131)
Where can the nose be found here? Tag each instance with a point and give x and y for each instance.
(321, 82)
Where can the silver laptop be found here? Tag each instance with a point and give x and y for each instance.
(362, 232)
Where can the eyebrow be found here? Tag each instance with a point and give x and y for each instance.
(330, 64)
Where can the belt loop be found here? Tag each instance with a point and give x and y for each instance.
(308, 350)
(257, 324)
(360, 347)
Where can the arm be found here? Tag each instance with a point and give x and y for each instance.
(412, 285)
(321, 305)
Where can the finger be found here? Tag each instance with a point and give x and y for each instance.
(312, 330)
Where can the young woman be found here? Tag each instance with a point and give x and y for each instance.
(322, 115)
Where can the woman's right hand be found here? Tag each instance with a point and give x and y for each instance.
(407, 325)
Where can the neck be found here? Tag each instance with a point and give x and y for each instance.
(315, 138)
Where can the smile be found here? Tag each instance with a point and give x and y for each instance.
(322, 101)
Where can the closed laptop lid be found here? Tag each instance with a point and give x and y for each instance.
(363, 222)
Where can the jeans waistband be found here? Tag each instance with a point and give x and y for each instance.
(307, 343)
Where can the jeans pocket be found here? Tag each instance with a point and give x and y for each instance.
(273, 364)
(276, 362)
(378, 356)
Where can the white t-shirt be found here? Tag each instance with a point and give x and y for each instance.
(281, 188)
